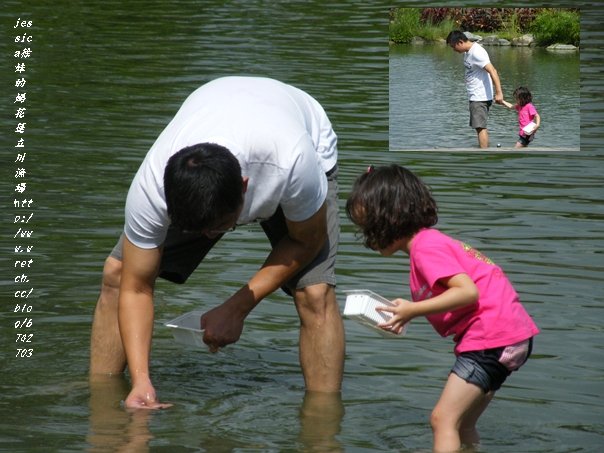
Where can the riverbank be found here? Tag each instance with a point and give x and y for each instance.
(522, 27)
(526, 40)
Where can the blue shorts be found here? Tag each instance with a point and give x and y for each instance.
(488, 369)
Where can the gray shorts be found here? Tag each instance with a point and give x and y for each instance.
(479, 114)
(183, 252)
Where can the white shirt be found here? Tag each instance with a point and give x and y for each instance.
(280, 135)
(478, 81)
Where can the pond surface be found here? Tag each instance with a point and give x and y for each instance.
(429, 103)
(106, 79)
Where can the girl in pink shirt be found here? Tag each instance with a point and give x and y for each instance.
(459, 290)
(528, 118)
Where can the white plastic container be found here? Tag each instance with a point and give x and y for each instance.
(361, 306)
(186, 329)
(529, 128)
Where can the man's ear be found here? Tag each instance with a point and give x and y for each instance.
(245, 180)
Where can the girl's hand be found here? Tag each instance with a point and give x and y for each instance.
(402, 313)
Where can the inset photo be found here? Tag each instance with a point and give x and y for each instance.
(498, 79)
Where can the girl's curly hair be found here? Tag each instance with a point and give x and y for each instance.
(523, 96)
(388, 203)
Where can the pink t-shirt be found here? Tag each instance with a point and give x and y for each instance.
(526, 114)
(497, 319)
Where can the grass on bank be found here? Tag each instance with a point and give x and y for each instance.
(550, 26)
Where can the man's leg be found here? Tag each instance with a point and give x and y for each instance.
(321, 338)
(479, 115)
(106, 351)
(483, 137)
(321, 327)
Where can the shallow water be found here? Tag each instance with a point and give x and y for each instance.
(105, 81)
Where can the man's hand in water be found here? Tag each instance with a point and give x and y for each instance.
(143, 396)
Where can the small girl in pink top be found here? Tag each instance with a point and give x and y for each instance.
(528, 118)
(459, 290)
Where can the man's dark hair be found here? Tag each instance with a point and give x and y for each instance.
(456, 36)
(388, 203)
(203, 185)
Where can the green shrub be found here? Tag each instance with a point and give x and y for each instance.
(432, 32)
(404, 24)
(553, 26)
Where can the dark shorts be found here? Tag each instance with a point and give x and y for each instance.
(488, 369)
(183, 252)
(524, 140)
(479, 114)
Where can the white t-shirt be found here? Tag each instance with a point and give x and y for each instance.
(478, 81)
(281, 136)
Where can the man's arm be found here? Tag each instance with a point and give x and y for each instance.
(495, 78)
(298, 248)
(223, 324)
(135, 314)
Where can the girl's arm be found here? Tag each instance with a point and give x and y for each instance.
(507, 104)
(537, 120)
(461, 292)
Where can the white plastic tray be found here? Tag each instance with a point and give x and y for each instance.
(361, 305)
(529, 128)
(186, 329)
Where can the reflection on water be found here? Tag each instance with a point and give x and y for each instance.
(320, 422)
(112, 428)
